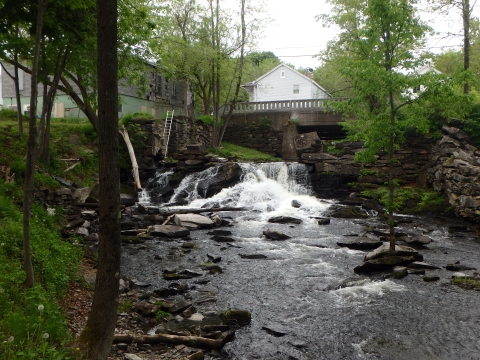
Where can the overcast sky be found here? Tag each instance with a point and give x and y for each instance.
(294, 35)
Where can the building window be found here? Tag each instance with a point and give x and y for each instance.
(20, 80)
(282, 74)
(296, 89)
(120, 107)
(174, 88)
(417, 89)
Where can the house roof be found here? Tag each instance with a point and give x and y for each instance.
(255, 82)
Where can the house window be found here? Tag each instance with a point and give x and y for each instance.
(158, 85)
(120, 107)
(20, 80)
(296, 89)
(282, 74)
(417, 89)
(174, 88)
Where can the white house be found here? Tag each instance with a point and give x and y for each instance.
(284, 83)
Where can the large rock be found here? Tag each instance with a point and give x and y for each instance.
(360, 243)
(275, 235)
(170, 231)
(197, 220)
(382, 264)
(345, 212)
(383, 251)
(310, 158)
(80, 195)
(284, 220)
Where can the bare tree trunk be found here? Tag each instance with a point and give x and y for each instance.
(133, 159)
(31, 149)
(96, 338)
(17, 90)
(240, 73)
(466, 40)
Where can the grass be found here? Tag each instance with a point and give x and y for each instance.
(467, 283)
(161, 315)
(243, 153)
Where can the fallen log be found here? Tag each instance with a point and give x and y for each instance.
(169, 211)
(192, 341)
(92, 205)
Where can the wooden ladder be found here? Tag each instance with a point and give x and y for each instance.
(167, 129)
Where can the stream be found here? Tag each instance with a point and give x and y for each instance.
(305, 289)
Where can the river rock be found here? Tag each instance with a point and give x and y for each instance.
(214, 258)
(236, 317)
(198, 220)
(275, 235)
(170, 231)
(180, 306)
(360, 243)
(399, 272)
(419, 241)
(284, 220)
(458, 267)
(383, 251)
(296, 204)
(275, 330)
(431, 278)
(382, 264)
(128, 199)
(346, 212)
(222, 239)
(190, 273)
(132, 357)
(80, 195)
(323, 221)
(422, 265)
(220, 232)
(253, 256)
(196, 317)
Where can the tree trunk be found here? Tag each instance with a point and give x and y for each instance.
(240, 74)
(17, 91)
(133, 159)
(466, 40)
(96, 338)
(31, 150)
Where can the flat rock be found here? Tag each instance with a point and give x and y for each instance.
(220, 232)
(190, 273)
(420, 240)
(196, 317)
(132, 357)
(346, 212)
(170, 231)
(284, 220)
(383, 251)
(422, 265)
(180, 307)
(275, 330)
(197, 219)
(275, 235)
(222, 239)
(431, 278)
(323, 221)
(214, 258)
(458, 267)
(360, 243)
(253, 256)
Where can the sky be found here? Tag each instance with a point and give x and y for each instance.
(295, 36)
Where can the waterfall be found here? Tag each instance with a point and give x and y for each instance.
(154, 185)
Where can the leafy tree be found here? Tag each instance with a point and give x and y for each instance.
(378, 52)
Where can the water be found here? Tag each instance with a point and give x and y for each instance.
(307, 284)
(153, 185)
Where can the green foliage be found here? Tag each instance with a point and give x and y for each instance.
(243, 153)
(293, 122)
(264, 123)
(161, 315)
(138, 115)
(368, 172)
(466, 282)
(410, 199)
(8, 114)
(29, 314)
(208, 120)
(125, 305)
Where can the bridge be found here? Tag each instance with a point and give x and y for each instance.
(308, 115)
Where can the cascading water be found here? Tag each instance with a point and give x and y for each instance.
(158, 182)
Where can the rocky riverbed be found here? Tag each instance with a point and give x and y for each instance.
(305, 300)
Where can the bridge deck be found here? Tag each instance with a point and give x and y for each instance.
(283, 105)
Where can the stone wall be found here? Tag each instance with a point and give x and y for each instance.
(455, 170)
(256, 136)
(187, 131)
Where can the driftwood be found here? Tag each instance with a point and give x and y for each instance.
(133, 159)
(192, 341)
(168, 211)
(71, 167)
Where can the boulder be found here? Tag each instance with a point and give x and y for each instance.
(310, 158)
(80, 195)
(275, 235)
(220, 232)
(382, 264)
(431, 278)
(323, 221)
(345, 212)
(222, 239)
(170, 231)
(284, 220)
(399, 272)
(253, 256)
(296, 204)
(128, 199)
(422, 265)
(193, 221)
(419, 241)
(236, 317)
(360, 243)
(383, 251)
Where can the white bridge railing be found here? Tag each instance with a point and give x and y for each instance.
(281, 105)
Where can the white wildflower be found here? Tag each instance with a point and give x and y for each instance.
(11, 338)
(45, 336)
(40, 307)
